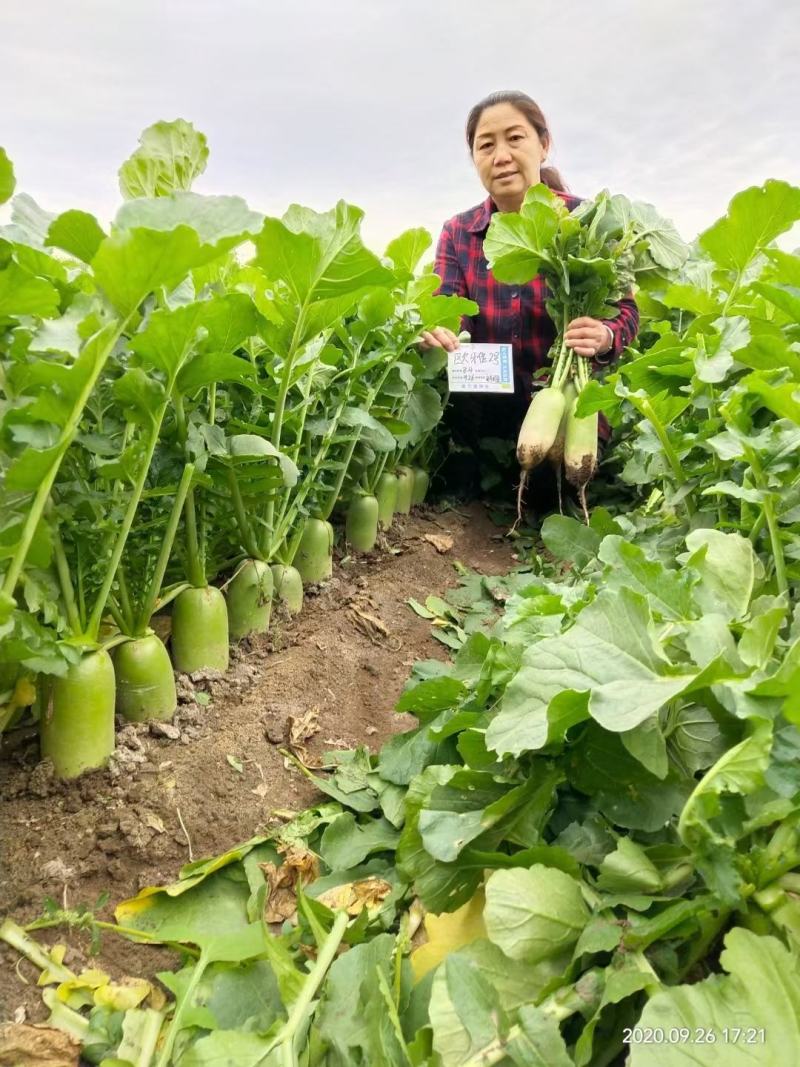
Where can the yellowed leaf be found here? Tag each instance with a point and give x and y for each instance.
(299, 867)
(299, 729)
(353, 897)
(80, 991)
(124, 994)
(448, 932)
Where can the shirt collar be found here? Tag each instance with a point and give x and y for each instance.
(481, 216)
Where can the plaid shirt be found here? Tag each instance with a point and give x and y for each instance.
(511, 313)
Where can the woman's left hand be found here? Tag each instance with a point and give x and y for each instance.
(588, 337)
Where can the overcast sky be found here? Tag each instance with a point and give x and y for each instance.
(681, 103)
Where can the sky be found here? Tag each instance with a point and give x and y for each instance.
(680, 103)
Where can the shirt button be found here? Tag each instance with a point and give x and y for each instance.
(515, 293)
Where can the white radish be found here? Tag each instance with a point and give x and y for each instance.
(580, 452)
(538, 434)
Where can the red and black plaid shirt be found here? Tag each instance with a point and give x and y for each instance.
(514, 314)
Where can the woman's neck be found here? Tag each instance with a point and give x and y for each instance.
(505, 204)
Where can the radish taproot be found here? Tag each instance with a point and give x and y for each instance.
(250, 599)
(405, 490)
(421, 482)
(314, 559)
(287, 587)
(77, 726)
(200, 630)
(361, 524)
(556, 454)
(580, 453)
(386, 495)
(145, 680)
(538, 434)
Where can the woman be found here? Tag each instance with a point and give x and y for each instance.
(509, 141)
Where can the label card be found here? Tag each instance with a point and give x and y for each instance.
(480, 368)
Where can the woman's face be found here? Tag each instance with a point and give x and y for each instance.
(508, 154)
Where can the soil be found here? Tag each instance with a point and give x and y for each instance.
(215, 775)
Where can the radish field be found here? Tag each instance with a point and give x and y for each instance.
(306, 763)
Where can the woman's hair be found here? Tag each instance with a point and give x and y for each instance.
(532, 112)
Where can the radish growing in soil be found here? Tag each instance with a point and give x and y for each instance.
(287, 587)
(314, 558)
(405, 490)
(361, 527)
(386, 495)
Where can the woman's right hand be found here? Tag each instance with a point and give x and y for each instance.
(439, 337)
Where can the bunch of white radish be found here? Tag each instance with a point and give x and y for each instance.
(589, 259)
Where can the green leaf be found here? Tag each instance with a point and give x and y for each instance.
(664, 243)
(540, 1044)
(695, 738)
(628, 869)
(346, 843)
(755, 218)
(352, 1014)
(230, 1048)
(703, 825)
(445, 311)
(471, 803)
(211, 915)
(169, 157)
(780, 399)
(422, 413)
(380, 438)
(322, 260)
(647, 744)
(455, 999)
(407, 754)
(7, 182)
(139, 395)
(570, 540)
(23, 294)
(229, 996)
(534, 914)
(759, 635)
(726, 564)
(28, 470)
(610, 654)
(691, 298)
(131, 264)
(406, 250)
(64, 333)
(668, 592)
(168, 336)
(31, 220)
(753, 1011)
(788, 302)
(514, 244)
(623, 790)
(211, 367)
(786, 266)
(221, 222)
(428, 698)
(229, 320)
(78, 233)
(463, 1011)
